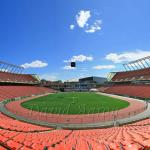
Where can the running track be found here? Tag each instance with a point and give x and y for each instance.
(135, 107)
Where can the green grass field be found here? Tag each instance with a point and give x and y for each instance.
(75, 103)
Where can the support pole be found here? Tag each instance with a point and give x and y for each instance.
(143, 64)
(141, 67)
(136, 66)
(128, 67)
(132, 66)
(124, 65)
(147, 62)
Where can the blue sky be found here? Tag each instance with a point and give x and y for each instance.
(99, 35)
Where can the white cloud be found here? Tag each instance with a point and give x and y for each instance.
(94, 27)
(68, 68)
(100, 67)
(72, 27)
(82, 18)
(89, 23)
(80, 58)
(127, 56)
(51, 77)
(35, 64)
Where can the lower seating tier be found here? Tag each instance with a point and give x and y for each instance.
(134, 136)
(7, 92)
(8, 123)
(141, 91)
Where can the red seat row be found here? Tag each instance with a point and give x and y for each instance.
(140, 91)
(8, 92)
(131, 137)
(143, 74)
(17, 78)
(8, 123)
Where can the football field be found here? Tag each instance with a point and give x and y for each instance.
(75, 103)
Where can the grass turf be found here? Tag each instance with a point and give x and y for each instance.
(75, 103)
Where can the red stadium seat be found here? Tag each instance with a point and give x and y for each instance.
(18, 78)
(134, 136)
(142, 74)
(8, 92)
(139, 91)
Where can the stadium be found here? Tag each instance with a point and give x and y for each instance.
(116, 116)
(65, 81)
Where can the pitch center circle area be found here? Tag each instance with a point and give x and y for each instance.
(75, 103)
